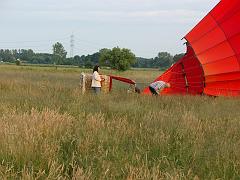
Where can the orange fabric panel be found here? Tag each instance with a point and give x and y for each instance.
(230, 85)
(206, 25)
(223, 88)
(221, 66)
(221, 92)
(216, 35)
(223, 77)
(221, 51)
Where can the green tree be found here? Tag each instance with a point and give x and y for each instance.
(177, 57)
(77, 60)
(7, 55)
(163, 61)
(105, 56)
(87, 62)
(59, 53)
(26, 54)
(117, 58)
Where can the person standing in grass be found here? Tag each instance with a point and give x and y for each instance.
(156, 87)
(96, 80)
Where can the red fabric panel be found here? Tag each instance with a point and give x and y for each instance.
(221, 51)
(229, 88)
(216, 35)
(185, 77)
(221, 66)
(218, 49)
(234, 42)
(224, 10)
(129, 81)
(110, 84)
(206, 25)
(215, 53)
(221, 92)
(231, 26)
(194, 74)
(223, 77)
(230, 85)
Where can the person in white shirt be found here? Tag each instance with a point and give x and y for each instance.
(158, 86)
(96, 80)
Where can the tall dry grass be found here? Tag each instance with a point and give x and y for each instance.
(48, 130)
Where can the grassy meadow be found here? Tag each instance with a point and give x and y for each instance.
(49, 130)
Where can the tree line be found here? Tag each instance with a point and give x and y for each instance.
(116, 58)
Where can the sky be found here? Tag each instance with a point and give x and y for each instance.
(144, 26)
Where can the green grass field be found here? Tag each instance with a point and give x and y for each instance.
(49, 130)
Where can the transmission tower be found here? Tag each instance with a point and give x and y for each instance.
(71, 45)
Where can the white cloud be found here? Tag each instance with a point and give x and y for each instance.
(147, 16)
(172, 11)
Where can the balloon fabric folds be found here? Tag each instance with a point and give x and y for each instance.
(211, 65)
(185, 77)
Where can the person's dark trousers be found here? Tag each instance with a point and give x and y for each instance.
(96, 90)
(153, 91)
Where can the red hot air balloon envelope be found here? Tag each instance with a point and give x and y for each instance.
(211, 65)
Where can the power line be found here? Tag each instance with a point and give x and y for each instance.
(96, 44)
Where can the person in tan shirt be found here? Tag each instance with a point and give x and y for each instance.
(96, 80)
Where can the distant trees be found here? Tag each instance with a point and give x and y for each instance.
(77, 60)
(177, 57)
(42, 58)
(59, 53)
(143, 62)
(26, 55)
(163, 61)
(7, 55)
(117, 58)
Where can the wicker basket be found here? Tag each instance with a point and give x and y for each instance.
(86, 82)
